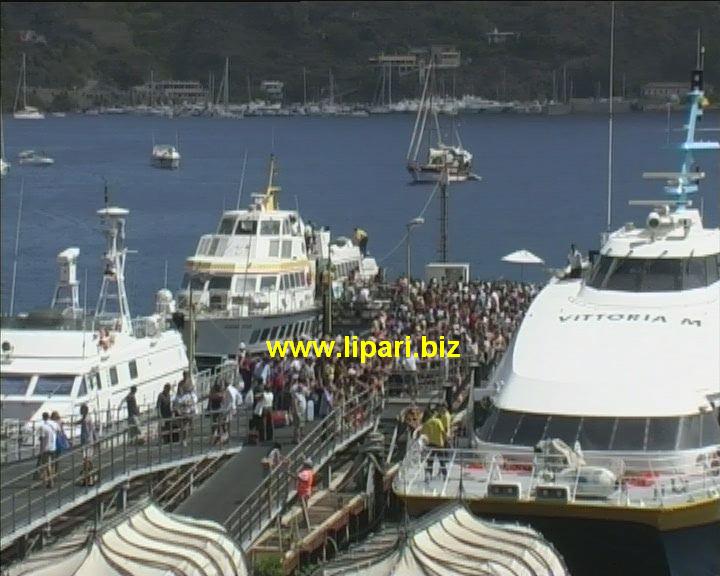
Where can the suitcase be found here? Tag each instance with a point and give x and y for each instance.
(280, 418)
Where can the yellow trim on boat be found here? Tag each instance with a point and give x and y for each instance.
(232, 268)
(663, 519)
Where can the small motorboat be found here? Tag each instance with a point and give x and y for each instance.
(165, 156)
(33, 158)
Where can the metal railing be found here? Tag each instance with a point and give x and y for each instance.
(20, 440)
(613, 480)
(428, 380)
(86, 471)
(342, 426)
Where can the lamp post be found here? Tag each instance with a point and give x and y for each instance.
(410, 225)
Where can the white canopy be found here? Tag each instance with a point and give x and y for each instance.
(453, 542)
(522, 257)
(146, 543)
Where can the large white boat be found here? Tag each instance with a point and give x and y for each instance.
(26, 112)
(61, 358)
(256, 278)
(605, 428)
(442, 158)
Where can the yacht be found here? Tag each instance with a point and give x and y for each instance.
(256, 279)
(26, 112)
(33, 158)
(61, 358)
(604, 425)
(165, 156)
(442, 157)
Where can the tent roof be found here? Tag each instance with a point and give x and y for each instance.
(147, 542)
(451, 541)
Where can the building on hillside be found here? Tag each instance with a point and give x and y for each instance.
(273, 90)
(668, 91)
(498, 37)
(170, 92)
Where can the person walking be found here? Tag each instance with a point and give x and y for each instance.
(48, 447)
(305, 481)
(165, 412)
(133, 415)
(88, 439)
(434, 430)
(185, 406)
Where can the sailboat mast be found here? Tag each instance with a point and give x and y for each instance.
(226, 94)
(610, 116)
(422, 111)
(24, 75)
(304, 87)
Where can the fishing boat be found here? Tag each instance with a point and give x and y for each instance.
(60, 358)
(441, 158)
(165, 156)
(256, 278)
(26, 112)
(604, 424)
(33, 158)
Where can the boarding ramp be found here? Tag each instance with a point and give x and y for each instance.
(343, 426)
(27, 505)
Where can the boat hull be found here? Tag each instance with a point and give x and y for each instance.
(621, 542)
(29, 116)
(218, 337)
(425, 174)
(165, 163)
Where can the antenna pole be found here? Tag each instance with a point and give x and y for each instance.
(444, 215)
(84, 316)
(610, 116)
(17, 247)
(242, 181)
(165, 276)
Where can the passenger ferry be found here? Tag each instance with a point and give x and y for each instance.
(256, 279)
(604, 431)
(61, 358)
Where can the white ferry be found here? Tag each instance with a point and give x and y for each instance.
(605, 428)
(61, 358)
(256, 278)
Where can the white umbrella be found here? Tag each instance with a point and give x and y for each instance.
(522, 257)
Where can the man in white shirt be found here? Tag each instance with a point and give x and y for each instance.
(48, 447)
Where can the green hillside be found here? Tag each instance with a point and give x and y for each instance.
(118, 43)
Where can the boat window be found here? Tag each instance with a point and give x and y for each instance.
(245, 284)
(282, 281)
(291, 281)
(662, 433)
(629, 434)
(113, 376)
(82, 390)
(226, 226)
(300, 278)
(287, 249)
(596, 433)
(254, 336)
(268, 283)
(197, 282)
(563, 427)
(505, 426)
(274, 333)
(220, 283)
(710, 433)
(274, 248)
(654, 274)
(531, 430)
(14, 384)
(286, 227)
(133, 369)
(281, 333)
(265, 334)
(269, 227)
(690, 433)
(246, 228)
(59, 385)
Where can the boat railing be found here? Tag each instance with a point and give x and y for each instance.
(616, 480)
(344, 424)
(20, 440)
(28, 500)
(430, 378)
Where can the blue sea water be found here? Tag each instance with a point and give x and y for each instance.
(544, 182)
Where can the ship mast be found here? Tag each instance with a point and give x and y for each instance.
(112, 302)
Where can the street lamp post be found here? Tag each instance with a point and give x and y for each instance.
(410, 225)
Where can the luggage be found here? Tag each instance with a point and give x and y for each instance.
(280, 418)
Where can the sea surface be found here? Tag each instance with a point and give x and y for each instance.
(544, 185)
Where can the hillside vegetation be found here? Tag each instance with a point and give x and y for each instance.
(119, 43)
